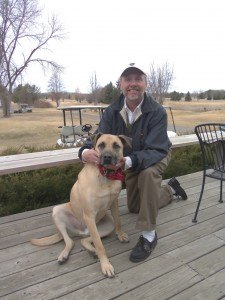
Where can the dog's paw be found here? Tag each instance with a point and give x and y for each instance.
(62, 260)
(123, 237)
(108, 270)
(63, 257)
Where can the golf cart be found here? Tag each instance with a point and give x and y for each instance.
(22, 108)
(74, 131)
(75, 135)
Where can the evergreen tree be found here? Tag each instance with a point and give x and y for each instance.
(188, 97)
(175, 96)
(26, 93)
(209, 95)
(202, 95)
(109, 94)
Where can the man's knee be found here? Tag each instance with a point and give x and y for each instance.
(151, 172)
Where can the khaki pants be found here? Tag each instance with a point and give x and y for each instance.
(145, 195)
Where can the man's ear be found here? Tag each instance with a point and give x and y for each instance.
(95, 137)
(127, 141)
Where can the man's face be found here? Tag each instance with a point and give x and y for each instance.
(133, 86)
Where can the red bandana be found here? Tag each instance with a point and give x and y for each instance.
(111, 174)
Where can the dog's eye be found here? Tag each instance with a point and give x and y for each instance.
(101, 146)
(116, 146)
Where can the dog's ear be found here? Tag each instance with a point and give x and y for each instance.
(95, 137)
(127, 141)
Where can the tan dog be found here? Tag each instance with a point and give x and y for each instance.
(91, 197)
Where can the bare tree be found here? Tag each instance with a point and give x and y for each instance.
(159, 80)
(22, 37)
(94, 88)
(77, 95)
(55, 86)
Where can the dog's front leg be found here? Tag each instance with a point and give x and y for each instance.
(107, 268)
(122, 236)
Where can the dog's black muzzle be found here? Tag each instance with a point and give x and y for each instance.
(107, 159)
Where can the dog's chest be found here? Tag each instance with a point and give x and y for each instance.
(108, 186)
(98, 189)
(109, 190)
(106, 194)
(108, 183)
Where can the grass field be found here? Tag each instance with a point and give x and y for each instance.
(40, 128)
(188, 114)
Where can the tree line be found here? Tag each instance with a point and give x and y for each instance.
(206, 95)
(159, 79)
(109, 93)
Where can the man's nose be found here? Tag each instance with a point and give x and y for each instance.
(133, 82)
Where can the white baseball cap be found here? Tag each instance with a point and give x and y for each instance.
(132, 68)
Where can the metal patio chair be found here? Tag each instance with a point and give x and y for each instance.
(211, 138)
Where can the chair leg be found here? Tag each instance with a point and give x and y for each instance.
(194, 220)
(221, 191)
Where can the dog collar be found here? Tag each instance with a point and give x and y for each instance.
(111, 174)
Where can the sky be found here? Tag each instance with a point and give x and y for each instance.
(104, 36)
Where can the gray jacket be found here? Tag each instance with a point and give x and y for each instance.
(150, 143)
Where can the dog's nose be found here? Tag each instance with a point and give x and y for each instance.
(107, 159)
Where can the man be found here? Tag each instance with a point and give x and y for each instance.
(139, 116)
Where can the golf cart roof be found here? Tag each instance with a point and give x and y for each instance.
(79, 107)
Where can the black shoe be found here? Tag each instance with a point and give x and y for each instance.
(143, 249)
(180, 192)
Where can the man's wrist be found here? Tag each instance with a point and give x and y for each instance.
(128, 163)
(82, 158)
(81, 150)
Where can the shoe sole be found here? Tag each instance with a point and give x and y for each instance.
(182, 193)
(177, 187)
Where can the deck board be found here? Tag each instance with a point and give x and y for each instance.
(188, 262)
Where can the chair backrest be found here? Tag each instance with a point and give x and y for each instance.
(212, 142)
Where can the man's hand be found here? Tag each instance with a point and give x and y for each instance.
(90, 156)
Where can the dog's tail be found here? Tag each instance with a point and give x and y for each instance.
(48, 240)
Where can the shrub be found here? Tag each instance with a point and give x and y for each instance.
(12, 151)
(41, 103)
(184, 161)
(35, 189)
(27, 149)
(40, 188)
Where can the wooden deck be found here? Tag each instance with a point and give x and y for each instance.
(188, 262)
